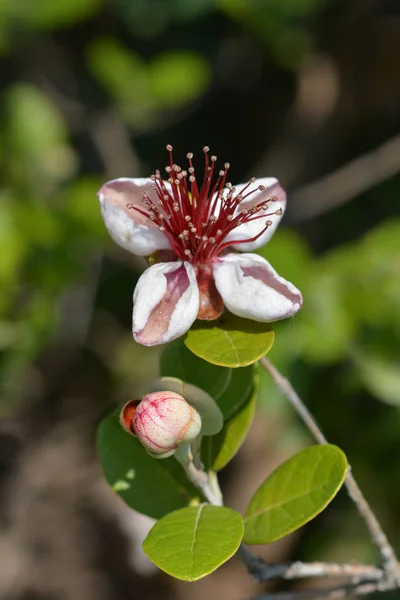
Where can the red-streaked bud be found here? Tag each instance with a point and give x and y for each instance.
(162, 421)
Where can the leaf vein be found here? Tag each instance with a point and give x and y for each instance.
(232, 344)
(196, 524)
(287, 501)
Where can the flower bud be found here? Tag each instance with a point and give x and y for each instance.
(162, 421)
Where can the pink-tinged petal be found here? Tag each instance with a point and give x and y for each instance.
(165, 303)
(127, 226)
(251, 288)
(251, 229)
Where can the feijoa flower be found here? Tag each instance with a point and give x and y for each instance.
(193, 230)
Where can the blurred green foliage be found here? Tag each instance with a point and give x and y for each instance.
(46, 225)
(139, 89)
(283, 26)
(41, 15)
(351, 306)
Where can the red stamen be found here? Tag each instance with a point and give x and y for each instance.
(196, 220)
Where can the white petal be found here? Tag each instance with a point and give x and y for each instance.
(251, 288)
(250, 230)
(130, 229)
(165, 303)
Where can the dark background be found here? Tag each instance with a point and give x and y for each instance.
(305, 90)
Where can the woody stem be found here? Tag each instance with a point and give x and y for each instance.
(389, 560)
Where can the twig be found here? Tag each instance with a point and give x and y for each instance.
(332, 593)
(388, 556)
(347, 182)
(264, 571)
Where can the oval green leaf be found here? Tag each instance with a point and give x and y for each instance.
(150, 486)
(177, 361)
(230, 341)
(192, 542)
(295, 493)
(218, 450)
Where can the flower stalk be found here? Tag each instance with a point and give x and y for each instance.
(209, 487)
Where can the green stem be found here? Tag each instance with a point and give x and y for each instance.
(198, 477)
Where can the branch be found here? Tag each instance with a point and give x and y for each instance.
(264, 571)
(347, 182)
(388, 556)
(332, 593)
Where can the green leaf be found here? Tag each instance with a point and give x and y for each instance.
(178, 77)
(238, 391)
(219, 449)
(124, 75)
(230, 341)
(177, 361)
(150, 486)
(380, 374)
(32, 136)
(296, 492)
(191, 543)
(229, 387)
(36, 136)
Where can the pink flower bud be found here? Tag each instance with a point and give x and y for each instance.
(162, 421)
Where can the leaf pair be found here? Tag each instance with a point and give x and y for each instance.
(192, 542)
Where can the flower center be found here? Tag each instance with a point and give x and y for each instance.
(196, 218)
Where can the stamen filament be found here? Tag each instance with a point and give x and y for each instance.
(196, 220)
